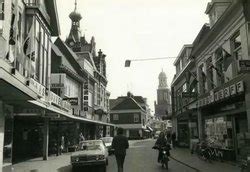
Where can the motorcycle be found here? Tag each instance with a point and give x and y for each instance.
(165, 154)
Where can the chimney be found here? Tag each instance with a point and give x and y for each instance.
(215, 9)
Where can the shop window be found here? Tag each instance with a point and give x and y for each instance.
(219, 132)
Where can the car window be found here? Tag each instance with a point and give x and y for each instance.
(107, 139)
(92, 145)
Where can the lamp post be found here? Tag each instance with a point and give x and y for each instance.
(128, 62)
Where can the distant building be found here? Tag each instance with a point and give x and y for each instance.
(163, 104)
(130, 113)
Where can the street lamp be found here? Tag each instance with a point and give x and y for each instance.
(128, 62)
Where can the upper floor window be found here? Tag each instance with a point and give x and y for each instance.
(236, 41)
(136, 117)
(203, 79)
(210, 76)
(115, 117)
(219, 66)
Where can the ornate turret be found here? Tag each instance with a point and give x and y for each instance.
(75, 33)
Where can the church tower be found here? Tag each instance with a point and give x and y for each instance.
(163, 105)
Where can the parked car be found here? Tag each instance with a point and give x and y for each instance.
(94, 153)
(108, 144)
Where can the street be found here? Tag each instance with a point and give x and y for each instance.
(140, 158)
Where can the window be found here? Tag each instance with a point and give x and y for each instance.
(115, 117)
(203, 79)
(136, 117)
(41, 47)
(210, 76)
(219, 66)
(237, 47)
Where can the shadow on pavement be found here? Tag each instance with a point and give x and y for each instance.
(65, 169)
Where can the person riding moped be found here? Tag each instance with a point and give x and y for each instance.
(161, 143)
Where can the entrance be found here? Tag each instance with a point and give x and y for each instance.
(242, 136)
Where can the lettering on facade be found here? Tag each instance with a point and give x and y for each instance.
(72, 101)
(222, 94)
(244, 65)
(37, 87)
(57, 100)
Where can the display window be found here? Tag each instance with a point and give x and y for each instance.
(219, 132)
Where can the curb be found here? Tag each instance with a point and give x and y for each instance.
(196, 169)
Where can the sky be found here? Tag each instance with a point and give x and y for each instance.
(137, 29)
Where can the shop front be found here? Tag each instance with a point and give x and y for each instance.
(225, 120)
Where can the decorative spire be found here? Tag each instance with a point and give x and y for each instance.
(75, 5)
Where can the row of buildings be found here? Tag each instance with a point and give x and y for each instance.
(210, 90)
(50, 92)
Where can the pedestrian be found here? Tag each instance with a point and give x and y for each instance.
(160, 143)
(168, 137)
(173, 139)
(81, 139)
(120, 144)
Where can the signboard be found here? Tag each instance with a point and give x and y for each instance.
(244, 65)
(58, 80)
(57, 100)
(221, 94)
(72, 101)
(37, 87)
(188, 94)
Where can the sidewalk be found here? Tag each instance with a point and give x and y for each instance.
(54, 164)
(184, 156)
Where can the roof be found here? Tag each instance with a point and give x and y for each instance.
(54, 21)
(126, 103)
(61, 49)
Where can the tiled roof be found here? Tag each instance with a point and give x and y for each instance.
(126, 103)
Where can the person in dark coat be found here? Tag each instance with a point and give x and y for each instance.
(162, 142)
(120, 144)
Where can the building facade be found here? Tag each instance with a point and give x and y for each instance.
(184, 98)
(127, 113)
(220, 53)
(47, 93)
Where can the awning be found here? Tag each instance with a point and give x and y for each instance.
(59, 111)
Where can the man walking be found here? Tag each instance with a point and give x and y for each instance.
(120, 144)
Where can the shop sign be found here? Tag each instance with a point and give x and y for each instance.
(57, 100)
(58, 80)
(244, 65)
(72, 101)
(37, 87)
(188, 94)
(66, 105)
(222, 94)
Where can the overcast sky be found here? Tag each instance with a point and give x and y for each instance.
(134, 29)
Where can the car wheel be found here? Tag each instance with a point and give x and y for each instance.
(107, 161)
(104, 168)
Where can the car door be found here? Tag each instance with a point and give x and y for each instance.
(105, 149)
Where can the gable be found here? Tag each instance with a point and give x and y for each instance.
(126, 104)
